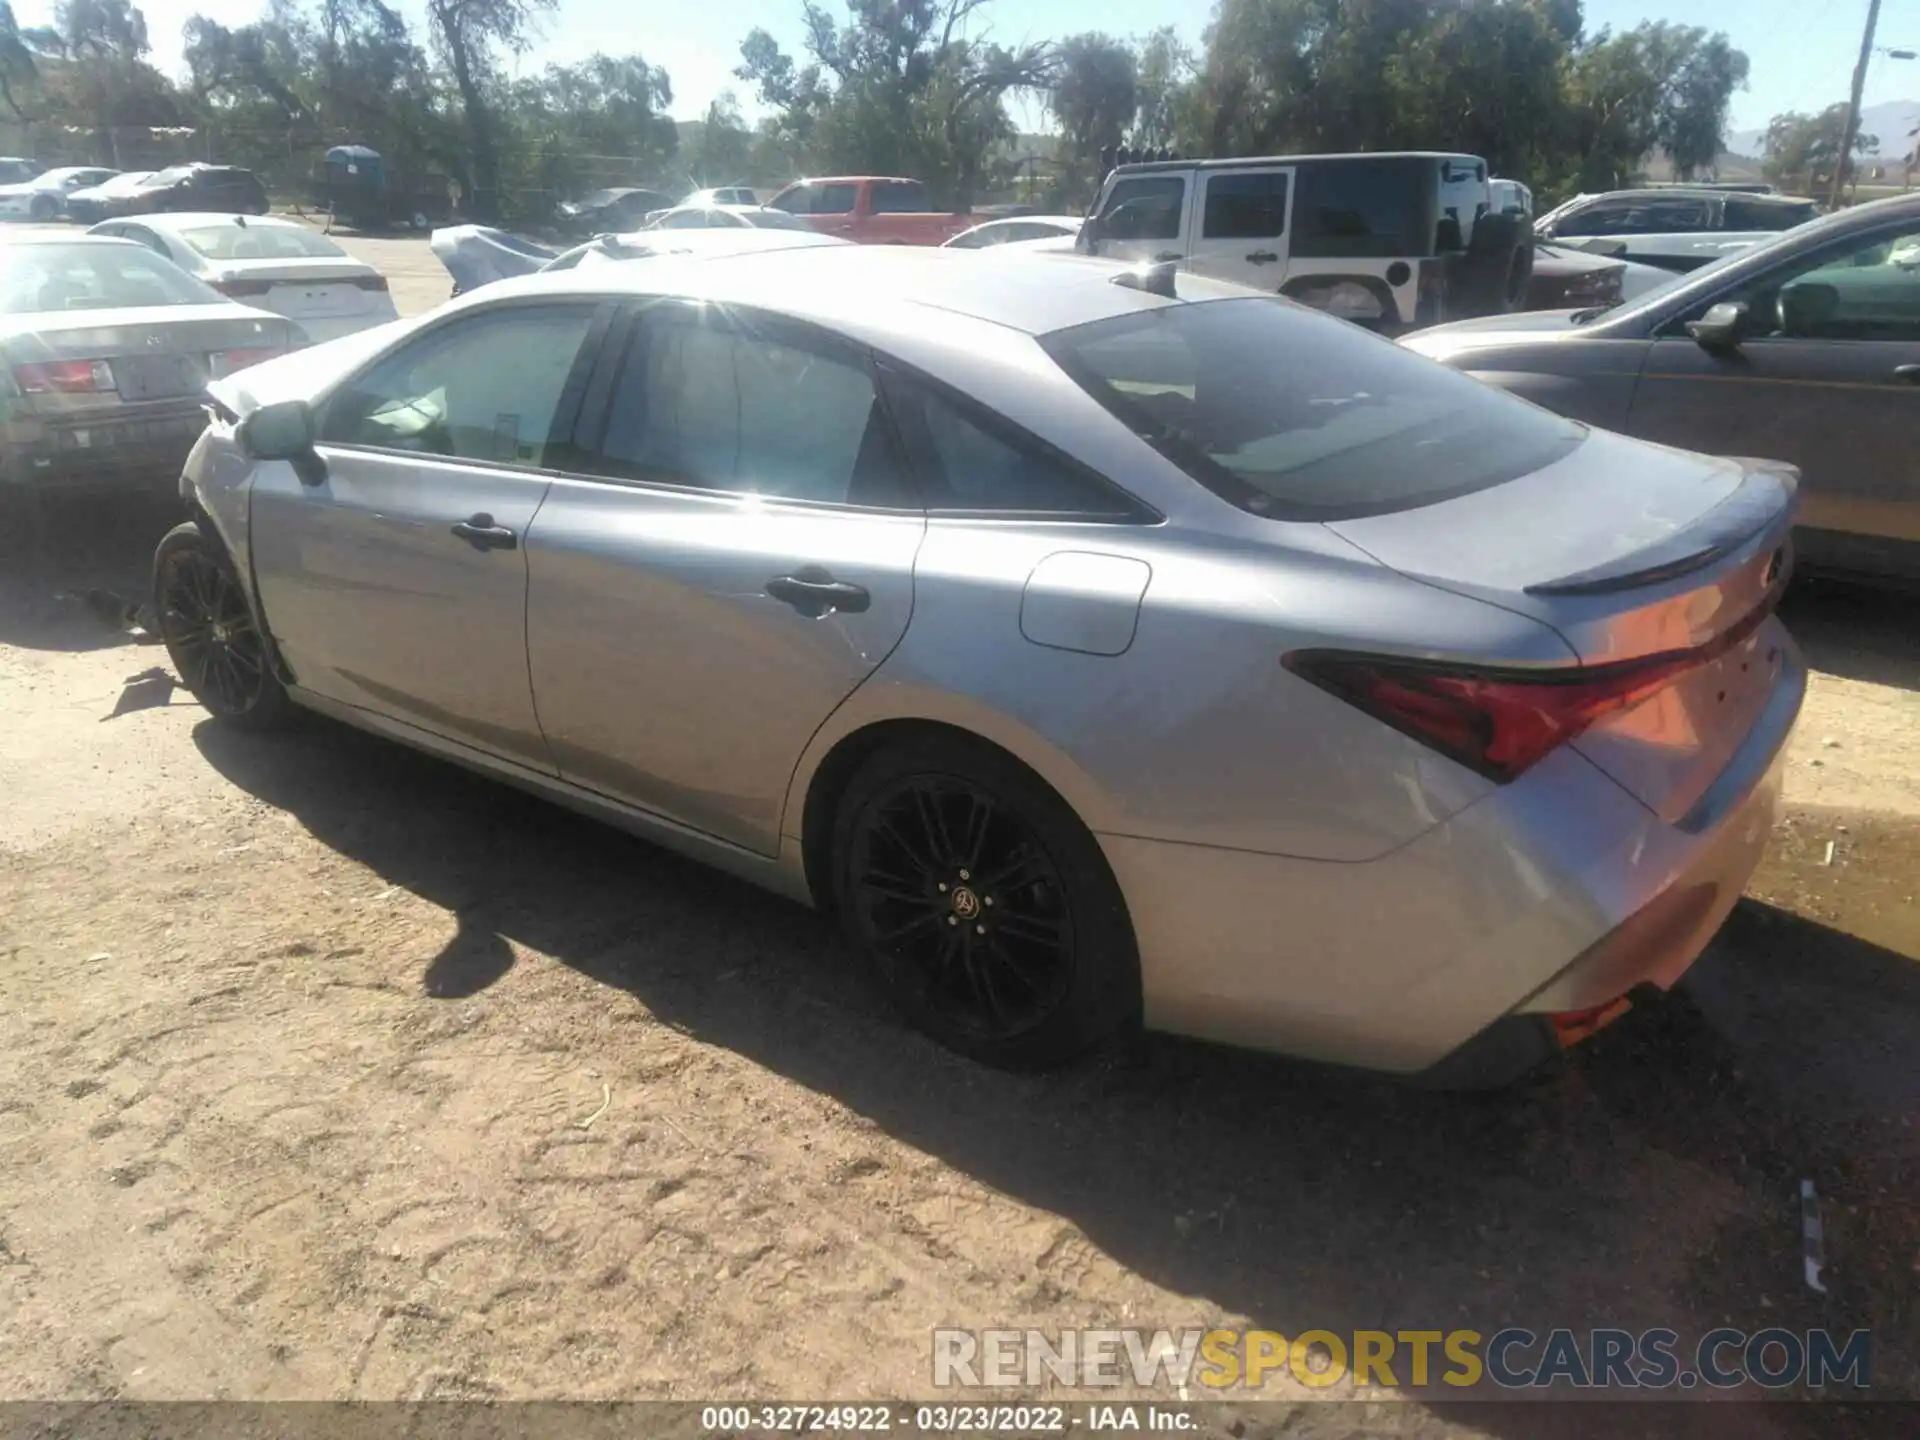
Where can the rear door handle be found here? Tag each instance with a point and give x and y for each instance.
(1908, 373)
(480, 532)
(1263, 257)
(815, 593)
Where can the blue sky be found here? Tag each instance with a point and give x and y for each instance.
(1802, 51)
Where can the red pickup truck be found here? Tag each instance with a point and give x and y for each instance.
(871, 210)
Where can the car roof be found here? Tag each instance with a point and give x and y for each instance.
(1149, 167)
(869, 289)
(200, 219)
(1696, 192)
(19, 238)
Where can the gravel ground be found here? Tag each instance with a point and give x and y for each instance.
(328, 1071)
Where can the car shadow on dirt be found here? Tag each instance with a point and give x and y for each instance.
(1859, 632)
(71, 567)
(1651, 1181)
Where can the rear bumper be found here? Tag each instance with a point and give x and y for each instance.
(1557, 894)
(132, 454)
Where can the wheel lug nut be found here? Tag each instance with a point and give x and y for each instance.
(953, 919)
(979, 929)
(943, 887)
(965, 876)
(986, 900)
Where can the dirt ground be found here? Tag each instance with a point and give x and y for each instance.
(328, 1071)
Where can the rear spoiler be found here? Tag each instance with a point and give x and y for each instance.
(1765, 500)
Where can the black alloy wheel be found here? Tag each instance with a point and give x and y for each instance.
(209, 631)
(982, 906)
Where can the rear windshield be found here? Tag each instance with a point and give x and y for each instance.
(1297, 416)
(39, 278)
(260, 242)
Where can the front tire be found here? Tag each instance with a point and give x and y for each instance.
(208, 629)
(982, 906)
(42, 208)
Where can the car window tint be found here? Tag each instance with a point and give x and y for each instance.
(833, 199)
(1245, 207)
(729, 405)
(260, 242)
(1302, 417)
(1144, 207)
(1360, 210)
(797, 201)
(969, 460)
(898, 197)
(1760, 215)
(485, 388)
(1609, 219)
(1857, 290)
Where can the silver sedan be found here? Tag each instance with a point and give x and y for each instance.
(1102, 645)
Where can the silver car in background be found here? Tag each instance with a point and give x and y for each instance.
(1100, 644)
(105, 352)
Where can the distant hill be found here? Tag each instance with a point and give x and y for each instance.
(1891, 122)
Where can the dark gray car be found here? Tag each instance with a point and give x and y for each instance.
(1805, 349)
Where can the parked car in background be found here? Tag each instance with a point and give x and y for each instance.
(95, 203)
(1391, 241)
(1804, 349)
(44, 197)
(1014, 229)
(723, 217)
(14, 169)
(1578, 279)
(476, 255)
(107, 349)
(1672, 227)
(1055, 632)
(198, 187)
(612, 210)
(269, 263)
(870, 210)
(721, 195)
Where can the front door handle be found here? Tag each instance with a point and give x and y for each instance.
(815, 593)
(1908, 373)
(1263, 257)
(480, 532)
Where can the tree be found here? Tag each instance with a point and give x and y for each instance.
(1655, 85)
(467, 34)
(16, 60)
(1801, 150)
(1095, 97)
(1163, 83)
(901, 88)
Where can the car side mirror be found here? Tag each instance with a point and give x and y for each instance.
(1090, 234)
(1721, 328)
(284, 431)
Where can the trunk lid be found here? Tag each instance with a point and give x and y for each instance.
(1628, 551)
(300, 287)
(155, 354)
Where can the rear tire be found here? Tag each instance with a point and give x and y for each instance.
(981, 905)
(208, 628)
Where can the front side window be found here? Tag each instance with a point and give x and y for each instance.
(1855, 290)
(833, 199)
(754, 409)
(898, 197)
(1607, 219)
(795, 201)
(93, 276)
(1300, 417)
(486, 388)
(1144, 207)
(1251, 206)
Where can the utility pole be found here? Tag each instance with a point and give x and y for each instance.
(1852, 127)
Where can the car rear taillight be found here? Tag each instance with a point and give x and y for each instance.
(1428, 298)
(1498, 723)
(65, 377)
(240, 289)
(371, 282)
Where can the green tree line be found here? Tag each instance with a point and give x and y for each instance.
(891, 86)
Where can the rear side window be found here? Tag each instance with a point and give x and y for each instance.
(833, 199)
(898, 197)
(1144, 207)
(969, 460)
(1370, 210)
(1756, 215)
(1251, 206)
(1301, 417)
